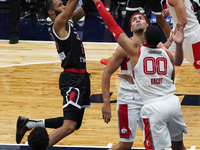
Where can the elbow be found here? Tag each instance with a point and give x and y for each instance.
(184, 22)
(178, 63)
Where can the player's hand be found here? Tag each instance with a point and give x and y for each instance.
(165, 12)
(106, 112)
(126, 76)
(178, 37)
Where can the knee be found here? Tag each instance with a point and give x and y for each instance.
(68, 129)
(198, 71)
(125, 145)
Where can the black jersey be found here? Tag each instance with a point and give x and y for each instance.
(70, 49)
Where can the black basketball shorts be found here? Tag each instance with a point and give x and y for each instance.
(75, 89)
(155, 5)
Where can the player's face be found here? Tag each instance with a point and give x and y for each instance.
(58, 6)
(138, 23)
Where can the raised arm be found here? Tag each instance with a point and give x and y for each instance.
(180, 10)
(61, 20)
(78, 14)
(85, 8)
(130, 46)
(178, 38)
(111, 67)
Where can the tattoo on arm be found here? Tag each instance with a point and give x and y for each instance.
(78, 14)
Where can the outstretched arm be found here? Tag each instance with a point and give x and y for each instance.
(130, 46)
(111, 67)
(178, 38)
(85, 8)
(78, 14)
(180, 10)
(60, 21)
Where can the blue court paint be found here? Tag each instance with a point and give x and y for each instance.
(97, 98)
(192, 100)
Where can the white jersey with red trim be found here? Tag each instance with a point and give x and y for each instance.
(128, 92)
(192, 22)
(152, 73)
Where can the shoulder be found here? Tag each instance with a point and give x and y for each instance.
(120, 52)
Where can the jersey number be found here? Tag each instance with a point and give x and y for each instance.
(152, 65)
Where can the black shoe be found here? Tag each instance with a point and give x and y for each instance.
(14, 39)
(21, 128)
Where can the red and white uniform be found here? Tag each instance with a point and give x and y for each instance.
(161, 112)
(191, 43)
(129, 106)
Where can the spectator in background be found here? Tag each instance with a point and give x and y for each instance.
(16, 16)
(15, 6)
(38, 139)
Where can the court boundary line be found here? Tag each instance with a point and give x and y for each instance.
(54, 42)
(1, 144)
(49, 62)
(68, 146)
(37, 63)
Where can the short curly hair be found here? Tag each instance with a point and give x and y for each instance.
(38, 139)
(153, 35)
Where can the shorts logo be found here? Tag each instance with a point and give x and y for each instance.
(198, 62)
(124, 131)
(148, 143)
(72, 95)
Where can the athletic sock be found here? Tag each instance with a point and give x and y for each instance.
(54, 122)
(35, 123)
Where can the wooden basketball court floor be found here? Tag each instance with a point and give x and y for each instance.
(29, 73)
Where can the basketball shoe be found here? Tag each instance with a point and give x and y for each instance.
(21, 128)
(106, 61)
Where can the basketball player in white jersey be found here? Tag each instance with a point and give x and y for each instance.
(129, 103)
(182, 11)
(153, 73)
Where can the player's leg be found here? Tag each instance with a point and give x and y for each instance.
(75, 96)
(196, 55)
(67, 128)
(122, 145)
(72, 121)
(24, 124)
(128, 115)
(176, 125)
(178, 145)
(156, 133)
(156, 7)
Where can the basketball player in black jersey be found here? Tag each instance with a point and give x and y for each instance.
(74, 81)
